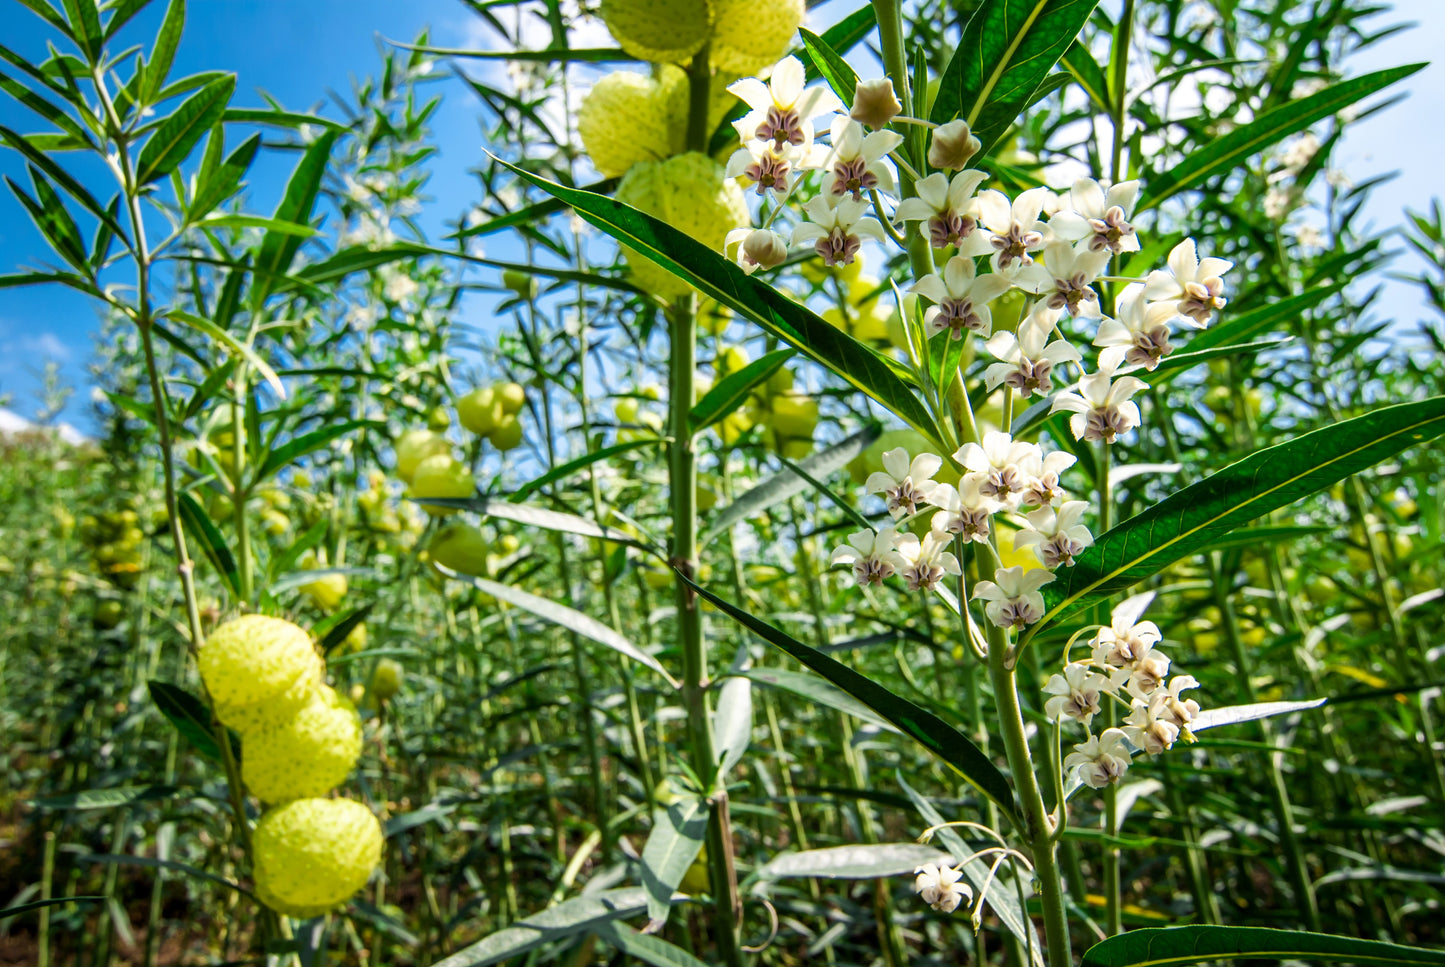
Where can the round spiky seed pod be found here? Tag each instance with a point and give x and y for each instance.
(308, 755)
(260, 671)
(749, 37)
(386, 679)
(662, 31)
(628, 117)
(690, 193)
(311, 855)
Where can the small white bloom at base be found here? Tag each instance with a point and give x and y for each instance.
(940, 888)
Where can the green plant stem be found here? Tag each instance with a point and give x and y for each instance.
(1119, 77)
(1113, 919)
(47, 879)
(895, 64)
(240, 493)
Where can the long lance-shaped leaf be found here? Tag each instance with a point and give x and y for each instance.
(1256, 321)
(1170, 946)
(15, 911)
(552, 520)
(213, 545)
(1215, 717)
(300, 446)
(754, 299)
(177, 135)
(860, 862)
(940, 738)
(278, 249)
(817, 690)
(675, 841)
(784, 484)
(565, 470)
(829, 63)
(1224, 153)
(189, 715)
(566, 919)
(227, 339)
(645, 947)
(733, 389)
(1188, 521)
(1007, 49)
(572, 620)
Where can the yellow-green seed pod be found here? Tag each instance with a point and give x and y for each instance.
(628, 117)
(750, 37)
(441, 476)
(479, 410)
(460, 547)
(386, 679)
(414, 446)
(312, 855)
(260, 671)
(506, 435)
(308, 755)
(326, 591)
(662, 31)
(689, 193)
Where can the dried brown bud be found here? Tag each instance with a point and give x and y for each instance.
(874, 103)
(953, 144)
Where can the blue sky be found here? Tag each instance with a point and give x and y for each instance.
(298, 50)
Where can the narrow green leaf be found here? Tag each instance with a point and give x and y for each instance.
(121, 12)
(163, 53)
(43, 10)
(860, 862)
(107, 798)
(844, 35)
(189, 715)
(1007, 49)
(342, 627)
(819, 690)
(1088, 74)
(645, 947)
(732, 391)
(569, 618)
(240, 220)
(213, 545)
(732, 722)
(1215, 717)
(226, 339)
(566, 919)
(936, 735)
(155, 864)
(567, 469)
(178, 134)
(833, 68)
(751, 298)
(1235, 328)
(280, 119)
(84, 18)
(54, 222)
(225, 181)
(529, 214)
(61, 177)
(1222, 154)
(675, 841)
(298, 447)
(541, 517)
(784, 484)
(278, 249)
(45, 109)
(1171, 946)
(15, 911)
(1190, 519)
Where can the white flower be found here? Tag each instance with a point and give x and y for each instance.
(999, 459)
(1014, 228)
(1068, 272)
(1043, 476)
(757, 248)
(1300, 151)
(1192, 283)
(763, 165)
(1100, 217)
(1102, 408)
(1139, 336)
(1029, 359)
(837, 228)
(1149, 726)
(783, 110)
(1101, 760)
(904, 485)
(1075, 693)
(940, 888)
(927, 561)
(856, 164)
(964, 509)
(396, 285)
(1128, 646)
(874, 556)
(1056, 537)
(1180, 711)
(944, 204)
(1013, 598)
(961, 298)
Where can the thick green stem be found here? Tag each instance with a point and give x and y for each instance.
(895, 63)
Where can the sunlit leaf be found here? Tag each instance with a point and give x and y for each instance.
(1171, 946)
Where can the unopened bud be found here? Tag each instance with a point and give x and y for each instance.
(874, 103)
(953, 144)
(765, 248)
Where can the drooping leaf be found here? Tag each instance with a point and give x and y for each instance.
(54, 222)
(861, 862)
(107, 798)
(569, 618)
(62, 178)
(20, 908)
(936, 735)
(1236, 328)
(1214, 717)
(1190, 519)
(230, 342)
(298, 447)
(678, 831)
(1007, 50)
(1222, 154)
(189, 715)
(572, 466)
(43, 107)
(155, 864)
(754, 299)
(817, 689)
(198, 524)
(177, 135)
(566, 919)
(1171, 946)
(338, 630)
(732, 390)
(780, 486)
(551, 520)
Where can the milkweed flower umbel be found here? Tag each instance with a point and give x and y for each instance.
(1102, 760)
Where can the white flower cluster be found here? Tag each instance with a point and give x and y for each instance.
(1123, 666)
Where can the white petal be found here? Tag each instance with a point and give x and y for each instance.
(1087, 198)
(754, 93)
(787, 81)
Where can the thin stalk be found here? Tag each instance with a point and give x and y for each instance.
(47, 879)
(895, 64)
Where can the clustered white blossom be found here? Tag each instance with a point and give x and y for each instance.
(1051, 247)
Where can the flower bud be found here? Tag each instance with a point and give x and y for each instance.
(874, 103)
(761, 248)
(953, 144)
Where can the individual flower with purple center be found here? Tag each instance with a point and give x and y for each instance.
(1102, 409)
(1195, 286)
(945, 205)
(960, 298)
(1012, 598)
(1138, 335)
(783, 110)
(873, 555)
(857, 162)
(1027, 361)
(1098, 218)
(1013, 229)
(837, 228)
